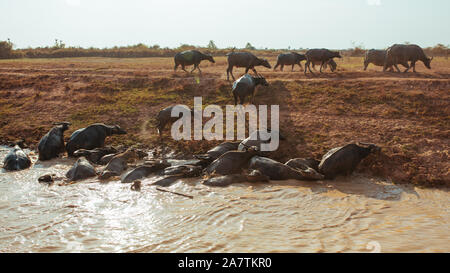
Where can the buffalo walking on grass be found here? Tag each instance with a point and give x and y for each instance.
(245, 86)
(291, 58)
(319, 55)
(191, 57)
(402, 54)
(244, 59)
(375, 57)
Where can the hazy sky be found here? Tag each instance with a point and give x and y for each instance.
(264, 23)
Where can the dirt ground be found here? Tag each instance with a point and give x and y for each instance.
(407, 114)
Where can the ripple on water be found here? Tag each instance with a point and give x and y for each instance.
(343, 215)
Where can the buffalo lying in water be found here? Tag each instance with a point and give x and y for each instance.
(82, 169)
(279, 171)
(226, 180)
(173, 173)
(91, 137)
(144, 170)
(217, 151)
(231, 162)
(259, 137)
(16, 160)
(95, 155)
(52, 143)
(303, 163)
(119, 163)
(344, 160)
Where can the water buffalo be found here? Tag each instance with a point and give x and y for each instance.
(244, 59)
(164, 116)
(217, 151)
(331, 63)
(82, 169)
(231, 162)
(95, 155)
(291, 58)
(173, 173)
(91, 137)
(279, 171)
(402, 54)
(191, 57)
(144, 170)
(224, 180)
(104, 160)
(303, 163)
(245, 86)
(376, 57)
(257, 138)
(119, 163)
(52, 143)
(16, 160)
(344, 160)
(319, 55)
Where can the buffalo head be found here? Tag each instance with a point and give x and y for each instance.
(372, 147)
(210, 58)
(261, 80)
(427, 62)
(332, 65)
(336, 55)
(265, 63)
(64, 125)
(118, 131)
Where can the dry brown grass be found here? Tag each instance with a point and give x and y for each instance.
(408, 115)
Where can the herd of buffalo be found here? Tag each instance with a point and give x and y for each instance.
(229, 162)
(405, 54)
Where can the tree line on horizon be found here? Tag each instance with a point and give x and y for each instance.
(60, 50)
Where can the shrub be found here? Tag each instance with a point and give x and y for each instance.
(5, 49)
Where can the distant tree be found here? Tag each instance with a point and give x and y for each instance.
(356, 45)
(5, 49)
(249, 46)
(59, 44)
(186, 47)
(212, 45)
(140, 45)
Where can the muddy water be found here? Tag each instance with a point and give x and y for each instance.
(348, 215)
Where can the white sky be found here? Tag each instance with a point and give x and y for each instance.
(264, 23)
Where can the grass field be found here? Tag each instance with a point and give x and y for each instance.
(408, 115)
